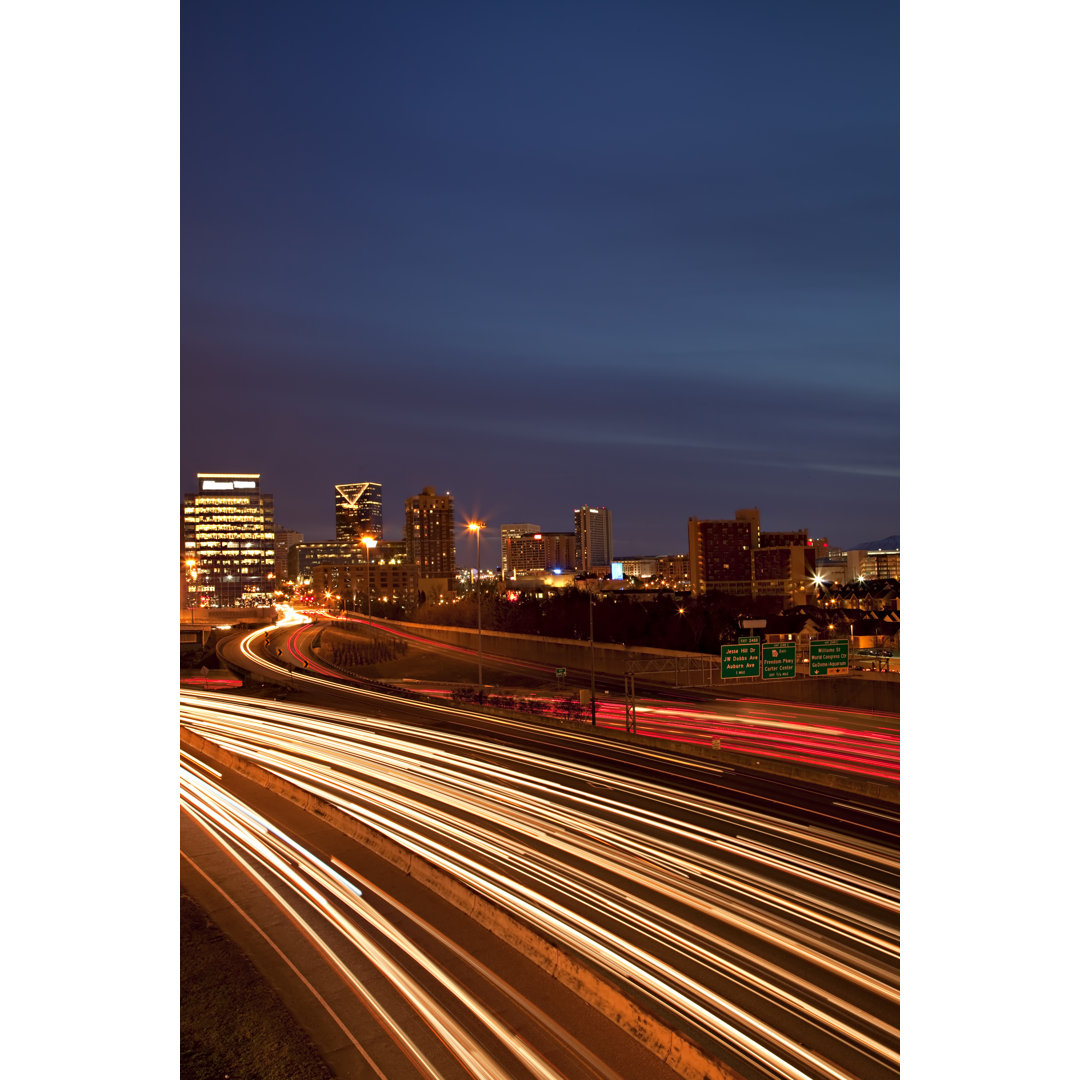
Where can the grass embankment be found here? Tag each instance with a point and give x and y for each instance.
(355, 650)
(232, 1024)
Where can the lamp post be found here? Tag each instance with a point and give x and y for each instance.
(369, 542)
(592, 664)
(475, 527)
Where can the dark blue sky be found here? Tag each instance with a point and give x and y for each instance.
(636, 255)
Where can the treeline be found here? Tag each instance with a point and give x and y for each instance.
(699, 624)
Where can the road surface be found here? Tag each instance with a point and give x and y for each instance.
(758, 918)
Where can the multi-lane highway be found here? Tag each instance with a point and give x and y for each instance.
(843, 740)
(757, 918)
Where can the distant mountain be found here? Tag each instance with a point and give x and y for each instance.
(890, 543)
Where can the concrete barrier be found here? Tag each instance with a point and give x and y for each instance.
(852, 692)
(611, 999)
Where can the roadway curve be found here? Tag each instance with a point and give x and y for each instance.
(758, 919)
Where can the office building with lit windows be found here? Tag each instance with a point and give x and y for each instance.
(593, 549)
(354, 586)
(539, 552)
(511, 532)
(303, 558)
(358, 510)
(639, 568)
(228, 545)
(430, 534)
(878, 565)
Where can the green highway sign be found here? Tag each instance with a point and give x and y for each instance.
(560, 673)
(778, 661)
(829, 657)
(751, 640)
(740, 661)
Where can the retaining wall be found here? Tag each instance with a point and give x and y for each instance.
(864, 691)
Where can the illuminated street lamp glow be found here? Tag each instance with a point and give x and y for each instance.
(476, 527)
(369, 542)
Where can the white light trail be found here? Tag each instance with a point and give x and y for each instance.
(563, 848)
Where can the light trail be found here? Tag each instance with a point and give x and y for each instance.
(801, 921)
(659, 760)
(804, 740)
(280, 864)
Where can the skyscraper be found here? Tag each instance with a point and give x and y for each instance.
(593, 549)
(430, 533)
(229, 542)
(358, 510)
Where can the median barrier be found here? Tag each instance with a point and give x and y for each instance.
(615, 1002)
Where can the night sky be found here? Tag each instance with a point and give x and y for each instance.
(640, 255)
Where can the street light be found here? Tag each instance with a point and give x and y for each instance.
(592, 664)
(475, 527)
(369, 542)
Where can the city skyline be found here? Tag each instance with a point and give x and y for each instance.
(491, 542)
(93, 236)
(644, 258)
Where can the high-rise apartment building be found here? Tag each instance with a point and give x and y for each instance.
(720, 555)
(593, 549)
(228, 552)
(738, 558)
(751, 517)
(783, 571)
(512, 532)
(430, 533)
(358, 510)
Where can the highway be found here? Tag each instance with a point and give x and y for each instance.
(759, 920)
(373, 964)
(852, 741)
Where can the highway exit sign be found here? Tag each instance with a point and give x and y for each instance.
(778, 661)
(829, 657)
(750, 640)
(740, 661)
